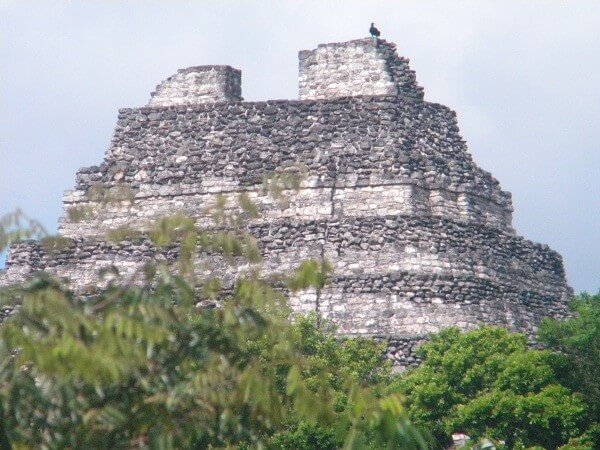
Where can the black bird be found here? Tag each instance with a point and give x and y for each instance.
(374, 31)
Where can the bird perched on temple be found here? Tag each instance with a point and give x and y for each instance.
(374, 31)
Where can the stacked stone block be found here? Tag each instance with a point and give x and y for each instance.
(419, 237)
(360, 67)
(199, 85)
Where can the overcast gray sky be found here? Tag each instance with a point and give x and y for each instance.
(523, 76)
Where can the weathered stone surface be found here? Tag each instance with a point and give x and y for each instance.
(419, 237)
(362, 67)
(199, 84)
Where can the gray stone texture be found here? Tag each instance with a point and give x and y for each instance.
(419, 237)
(199, 85)
(361, 67)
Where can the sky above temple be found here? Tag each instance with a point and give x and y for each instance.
(524, 78)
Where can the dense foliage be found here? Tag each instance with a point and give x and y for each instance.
(167, 359)
(577, 342)
(357, 359)
(142, 365)
(578, 339)
(489, 383)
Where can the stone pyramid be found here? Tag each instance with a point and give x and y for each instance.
(419, 237)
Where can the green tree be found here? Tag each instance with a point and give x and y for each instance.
(489, 383)
(144, 366)
(339, 359)
(578, 340)
(589, 440)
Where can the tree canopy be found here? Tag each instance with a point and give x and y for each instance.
(489, 383)
(154, 364)
(145, 366)
(576, 341)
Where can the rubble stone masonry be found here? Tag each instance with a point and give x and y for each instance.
(419, 237)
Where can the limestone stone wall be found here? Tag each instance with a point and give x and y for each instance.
(355, 156)
(419, 237)
(199, 85)
(307, 203)
(361, 67)
(396, 276)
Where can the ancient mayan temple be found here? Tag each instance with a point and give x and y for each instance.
(419, 237)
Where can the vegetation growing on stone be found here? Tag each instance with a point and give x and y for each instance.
(17, 226)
